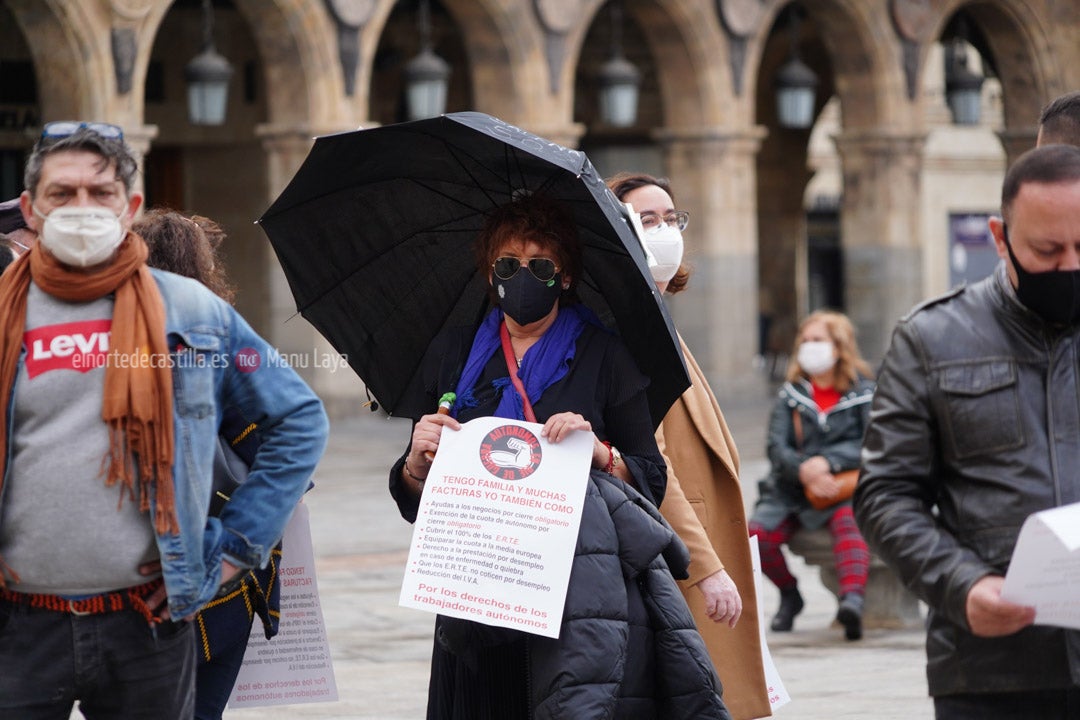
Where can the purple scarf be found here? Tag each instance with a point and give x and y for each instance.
(544, 364)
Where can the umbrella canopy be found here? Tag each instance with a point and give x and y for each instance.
(375, 234)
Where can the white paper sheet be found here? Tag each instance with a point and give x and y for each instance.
(1045, 567)
(778, 695)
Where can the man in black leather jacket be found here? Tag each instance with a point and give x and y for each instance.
(975, 425)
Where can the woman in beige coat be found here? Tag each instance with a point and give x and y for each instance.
(704, 501)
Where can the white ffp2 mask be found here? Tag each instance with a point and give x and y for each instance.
(81, 236)
(816, 357)
(666, 245)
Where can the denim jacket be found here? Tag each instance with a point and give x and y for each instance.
(218, 361)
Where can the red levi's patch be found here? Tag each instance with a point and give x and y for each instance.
(80, 346)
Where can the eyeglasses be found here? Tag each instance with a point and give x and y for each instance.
(676, 219)
(543, 269)
(66, 128)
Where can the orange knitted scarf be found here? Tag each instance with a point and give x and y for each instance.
(137, 403)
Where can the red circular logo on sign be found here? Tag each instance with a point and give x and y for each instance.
(510, 452)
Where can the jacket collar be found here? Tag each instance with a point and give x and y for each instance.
(803, 394)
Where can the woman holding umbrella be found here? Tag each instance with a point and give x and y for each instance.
(703, 472)
(576, 376)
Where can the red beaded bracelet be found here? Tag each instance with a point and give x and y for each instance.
(612, 457)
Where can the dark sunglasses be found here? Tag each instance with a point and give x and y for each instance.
(65, 128)
(543, 269)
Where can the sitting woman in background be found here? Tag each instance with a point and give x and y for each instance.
(816, 431)
(611, 659)
(703, 473)
(188, 246)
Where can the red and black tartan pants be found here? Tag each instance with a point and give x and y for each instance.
(850, 553)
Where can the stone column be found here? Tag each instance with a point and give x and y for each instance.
(712, 173)
(286, 148)
(880, 231)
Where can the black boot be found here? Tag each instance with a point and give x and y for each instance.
(850, 615)
(791, 604)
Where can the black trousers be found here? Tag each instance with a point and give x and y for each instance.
(114, 665)
(1061, 704)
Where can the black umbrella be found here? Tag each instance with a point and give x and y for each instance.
(375, 234)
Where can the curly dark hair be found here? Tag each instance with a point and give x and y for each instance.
(622, 184)
(183, 245)
(533, 218)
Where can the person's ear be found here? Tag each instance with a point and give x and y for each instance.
(997, 229)
(26, 205)
(133, 205)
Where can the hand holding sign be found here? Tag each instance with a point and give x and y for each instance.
(497, 525)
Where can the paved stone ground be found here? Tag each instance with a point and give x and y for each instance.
(381, 651)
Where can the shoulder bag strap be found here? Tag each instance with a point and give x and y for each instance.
(511, 365)
(796, 420)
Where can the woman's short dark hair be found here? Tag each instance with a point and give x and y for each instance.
(622, 184)
(533, 218)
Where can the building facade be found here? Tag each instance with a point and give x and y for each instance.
(873, 208)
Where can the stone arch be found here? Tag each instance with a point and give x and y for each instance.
(684, 40)
(700, 138)
(849, 57)
(65, 35)
(503, 56)
(1020, 46)
(304, 80)
(856, 55)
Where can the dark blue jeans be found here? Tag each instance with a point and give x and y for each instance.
(1043, 704)
(215, 679)
(113, 664)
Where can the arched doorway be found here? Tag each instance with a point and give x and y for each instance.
(216, 171)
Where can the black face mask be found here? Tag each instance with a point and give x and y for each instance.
(526, 299)
(1053, 295)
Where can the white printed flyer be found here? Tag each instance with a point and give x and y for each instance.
(294, 667)
(498, 522)
(1045, 568)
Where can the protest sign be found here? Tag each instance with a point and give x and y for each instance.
(295, 666)
(497, 525)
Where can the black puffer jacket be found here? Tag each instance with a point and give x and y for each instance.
(628, 648)
(975, 425)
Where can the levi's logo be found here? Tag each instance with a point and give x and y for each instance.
(80, 346)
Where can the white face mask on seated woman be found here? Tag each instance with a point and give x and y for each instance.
(816, 357)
